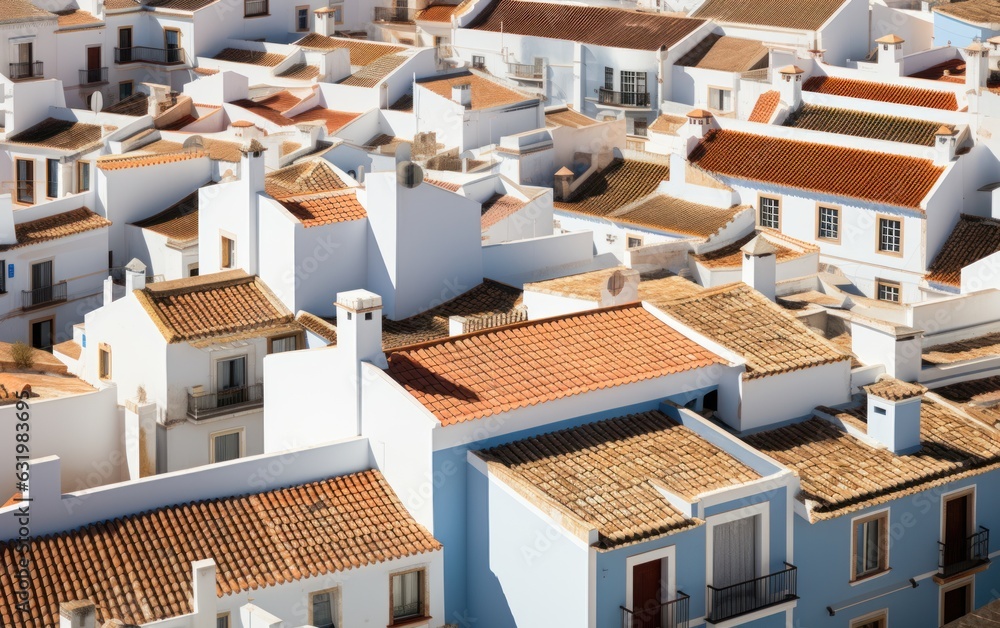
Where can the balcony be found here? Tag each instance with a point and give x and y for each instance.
(146, 54)
(958, 558)
(672, 614)
(19, 71)
(622, 99)
(399, 15)
(254, 8)
(208, 405)
(753, 595)
(93, 76)
(40, 297)
(526, 71)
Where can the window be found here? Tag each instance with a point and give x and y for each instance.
(720, 99)
(124, 52)
(284, 343)
(633, 92)
(231, 373)
(193, 270)
(82, 176)
(408, 595)
(770, 212)
(887, 290)
(52, 178)
(633, 241)
(252, 8)
(639, 127)
(124, 89)
(323, 609)
(25, 181)
(228, 259)
(104, 361)
(878, 619)
(609, 79)
(3, 276)
(227, 445)
(222, 621)
(869, 545)
(479, 62)
(302, 18)
(890, 235)
(338, 14)
(829, 223)
(23, 65)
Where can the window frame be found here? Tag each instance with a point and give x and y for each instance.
(879, 219)
(30, 171)
(338, 9)
(227, 252)
(760, 209)
(50, 179)
(298, 9)
(131, 89)
(968, 581)
(819, 222)
(881, 615)
(3, 276)
(393, 621)
(761, 510)
(888, 283)
(299, 341)
(242, 444)
(609, 79)
(80, 166)
(629, 237)
(479, 62)
(227, 616)
(719, 88)
(883, 546)
(102, 350)
(334, 593)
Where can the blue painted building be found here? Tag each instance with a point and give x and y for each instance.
(958, 24)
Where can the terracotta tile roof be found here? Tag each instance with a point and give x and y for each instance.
(322, 328)
(623, 182)
(142, 160)
(334, 120)
(654, 287)
(134, 105)
(771, 340)
(488, 300)
(59, 134)
(765, 106)
(280, 101)
(371, 74)
(598, 26)
(892, 389)
(210, 306)
(984, 13)
(179, 222)
(362, 52)
(76, 18)
(499, 207)
(325, 208)
(300, 71)
(444, 185)
(307, 177)
(870, 90)
(221, 150)
(252, 57)
(972, 239)
(288, 148)
(180, 5)
(863, 124)
(605, 474)
(568, 117)
(666, 123)
(801, 15)
(21, 11)
(405, 103)
(675, 215)
(978, 397)
(387, 145)
(879, 177)
(840, 473)
(730, 256)
(489, 372)
(486, 94)
(120, 5)
(985, 346)
(726, 54)
(179, 123)
(57, 226)
(437, 13)
(69, 348)
(137, 568)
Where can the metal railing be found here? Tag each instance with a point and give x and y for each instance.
(205, 405)
(622, 99)
(752, 595)
(33, 69)
(147, 54)
(394, 14)
(954, 558)
(525, 70)
(252, 8)
(38, 297)
(94, 75)
(672, 614)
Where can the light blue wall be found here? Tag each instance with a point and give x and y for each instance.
(948, 30)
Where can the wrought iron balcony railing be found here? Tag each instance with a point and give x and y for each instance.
(206, 405)
(622, 99)
(39, 297)
(672, 614)
(33, 69)
(752, 595)
(147, 54)
(956, 558)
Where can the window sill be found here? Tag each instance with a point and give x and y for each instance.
(869, 577)
(410, 621)
(250, 17)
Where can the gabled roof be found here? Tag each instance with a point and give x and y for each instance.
(498, 207)
(180, 5)
(598, 26)
(485, 93)
(468, 377)
(22, 11)
(985, 13)
(878, 177)
(972, 239)
(56, 226)
(807, 15)
(883, 92)
(219, 305)
(137, 568)
(765, 106)
(875, 126)
(675, 215)
(606, 475)
(325, 208)
(726, 54)
(371, 74)
(59, 134)
(624, 181)
(179, 222)
(362, 52)
(306, 177)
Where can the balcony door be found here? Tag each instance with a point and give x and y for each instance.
(735, 564)
(957, 528)
(93, 64)
(125, 44)
(41, 282)
(231, 380)
(172, 43)
(41, 334)
(25, 181)
(647, 595)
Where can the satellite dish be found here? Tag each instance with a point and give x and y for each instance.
(409, 174)
(193, 143)
(96, 102)
(616, 283)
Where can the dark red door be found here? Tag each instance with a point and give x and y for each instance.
(94, 58)
(646, 589)
(956, 603)
(956, 530)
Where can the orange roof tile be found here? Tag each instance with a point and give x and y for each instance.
(137, 568)
(864, 124)
(568, 117)
(485, 93)
(252, 57)
(468, 377)
(59, 134)
(300, 71)
(879, 177)
(304, 178)
(498, 207)
(766, 104)
(437, 13)
(362, 52)
(726, 54)
(76, 18)
(730, 256)
(978, 397)
(325, 208)
(22, 11)
(667, 213)
(57, 226)
(972, 239)
(179, 222)
(126, 161)
(371, 74)
(599, 26)
(321, 327)
(985, 13)
(334, 120)
(870, 90)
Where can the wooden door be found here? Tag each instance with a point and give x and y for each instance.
(647, 585)
(956, 530)
(93, 59)
(956, 604)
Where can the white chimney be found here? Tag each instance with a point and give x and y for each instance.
(77, 614)
(760, 266)
(203, 590)
(896, 347)
(462, 94)
(621, 287)
(977, 65)
(359, 326)
(456, 325)
(109, 290)
(789, 84)
(699, 123)
(890, 55)
(325, 24)
(563, 182)
(945, 145)
(894, 414)
(252, 164)
(135, 276)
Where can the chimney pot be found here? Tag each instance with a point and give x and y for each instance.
(462, 94)
(894, 413)
(760, 266)
(135, 276)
